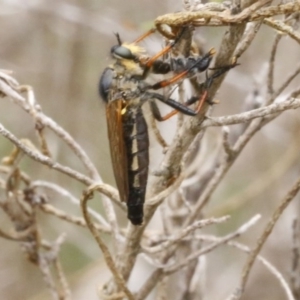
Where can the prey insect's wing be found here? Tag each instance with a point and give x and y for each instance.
(117, 146)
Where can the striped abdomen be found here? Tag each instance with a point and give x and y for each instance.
(136, 140)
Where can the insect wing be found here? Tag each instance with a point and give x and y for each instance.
(117, 146)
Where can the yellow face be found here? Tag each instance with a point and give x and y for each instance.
(129, 64)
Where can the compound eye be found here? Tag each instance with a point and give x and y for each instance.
(122, 52)
(105, 83)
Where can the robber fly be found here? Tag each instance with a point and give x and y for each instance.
(124, 89)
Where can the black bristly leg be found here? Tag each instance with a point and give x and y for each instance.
(142, 37)
(165, 50)
(183, 107)
(220, 71)
(155, 111)
(157, 115)
(151, 31)
(199, 65)
(208, 83)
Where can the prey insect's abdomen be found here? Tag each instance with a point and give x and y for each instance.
(136, 139)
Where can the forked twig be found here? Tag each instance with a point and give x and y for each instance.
(102, 245)
(174, 268)
(244, 117)
(180, 236)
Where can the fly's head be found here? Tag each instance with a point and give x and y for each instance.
(124, 72)
(128, 55)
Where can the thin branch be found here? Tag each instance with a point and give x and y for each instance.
(111, 215)
(260, 258)
(158, 199)
(45, 160)
(8, 87)
(13, 236)
(261, 241)
(224, 166)
(165, 270)
(183, 233)
(52, 257)
(270, 267)
(286, 82)
(175, 267)
(46, 121)
(295, 267)
(267, 179)
(270, 81)
(65, 293)
(107, 256)
(251, 31)
(284, 28)
(65, 193)
(105, 189)
(150, 283)
(162, 289)
(226, 145)
(35, 111)
(156, 132)
(44, 268)
(255, 12)
(274, 108)
(49, 209)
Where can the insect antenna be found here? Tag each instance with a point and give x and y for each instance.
(118, 38)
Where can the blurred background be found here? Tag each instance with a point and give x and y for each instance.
(60, 48)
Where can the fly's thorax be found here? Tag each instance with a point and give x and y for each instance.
(129, 89)
(127, 67)
(130, 94)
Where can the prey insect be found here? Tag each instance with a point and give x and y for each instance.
(124, 89)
